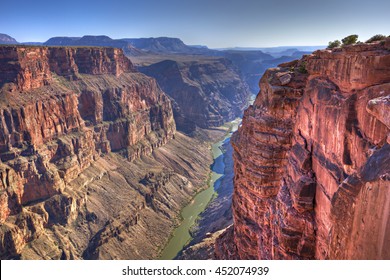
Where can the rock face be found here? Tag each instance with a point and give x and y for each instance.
(30, 68)
(312, 161)
(61, 111)
(206, 92)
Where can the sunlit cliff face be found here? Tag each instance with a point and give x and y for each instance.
(312, 160)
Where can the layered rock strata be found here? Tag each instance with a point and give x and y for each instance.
(206, 92)
(312, 160)
(61, 111)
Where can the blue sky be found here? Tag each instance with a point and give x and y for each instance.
(215, 23)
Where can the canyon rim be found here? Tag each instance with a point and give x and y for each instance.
(280, 153)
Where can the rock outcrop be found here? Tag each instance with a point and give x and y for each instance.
(312, 160)
(206, 92)
(62, 112)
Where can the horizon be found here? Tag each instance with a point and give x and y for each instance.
(199, 44)
(216, 24)
(189, 44)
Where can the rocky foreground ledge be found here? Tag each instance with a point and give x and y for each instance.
(312, 160)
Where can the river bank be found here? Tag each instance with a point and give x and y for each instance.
(215, 218)
(218, 214)
(214, 199)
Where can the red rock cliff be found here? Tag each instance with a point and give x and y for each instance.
(60, 110)
(32, 67)
(312, 160)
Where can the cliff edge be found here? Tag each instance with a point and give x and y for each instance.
(312, 160)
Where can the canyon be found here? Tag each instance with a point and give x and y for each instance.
(253, 63)
(206, 92)
(91, 163)
(103, 143)
(312, 160)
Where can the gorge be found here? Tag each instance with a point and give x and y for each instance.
(92, 165)
(102, 152)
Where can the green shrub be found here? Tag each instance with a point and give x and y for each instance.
(350, 40)
(302, 68)
(334, 44)
(378, 37)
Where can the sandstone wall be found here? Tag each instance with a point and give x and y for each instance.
(312, 160)
(61, 109)
(32, 67)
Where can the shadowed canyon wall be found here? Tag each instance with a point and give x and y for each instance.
(81, 171)
(206, 92)
(312, 160)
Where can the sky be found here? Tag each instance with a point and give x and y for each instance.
(215, 23)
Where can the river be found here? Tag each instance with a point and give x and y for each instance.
(181, 235)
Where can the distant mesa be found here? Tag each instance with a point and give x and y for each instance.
(168, 45)
(133, 46)
(287, 52)
(93, 41)
(6, 39)
(287, 57)
(161, 44)
(61, 41)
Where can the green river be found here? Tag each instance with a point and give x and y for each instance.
(181, 235)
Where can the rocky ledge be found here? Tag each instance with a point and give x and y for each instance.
(312, 160)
